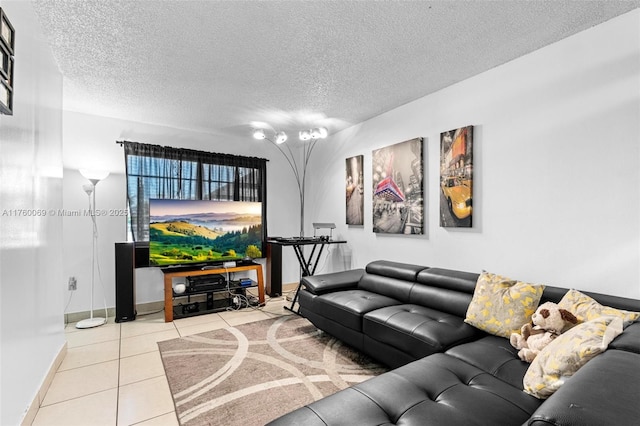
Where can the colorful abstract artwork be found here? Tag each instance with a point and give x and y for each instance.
(456, 178)
(398, 206)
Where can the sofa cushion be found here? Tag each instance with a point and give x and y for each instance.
(445, 290)
(629, 340)
(603, 392)
(417, 330)
(494, 355)
(443, 299)
(501, 306)
(353, 338)
(567, 353)
(391, 287)
(435, 390)
(401, 271)
(464, 282)
(386, 354)
(347, 307)
(586, 308)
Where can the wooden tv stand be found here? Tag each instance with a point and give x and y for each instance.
(169, 275)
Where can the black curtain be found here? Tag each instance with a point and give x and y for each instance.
(155, 171)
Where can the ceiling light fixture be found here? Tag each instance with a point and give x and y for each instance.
(299, 170)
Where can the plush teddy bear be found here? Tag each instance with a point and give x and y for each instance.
(548, 321)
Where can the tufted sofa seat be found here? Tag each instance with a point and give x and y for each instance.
(434, 390)
(394, 312)
(444, 371)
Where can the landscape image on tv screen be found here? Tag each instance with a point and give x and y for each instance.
(195, 231)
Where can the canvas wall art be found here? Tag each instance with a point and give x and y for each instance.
(354, 190)
(397, 188)
(456, 178)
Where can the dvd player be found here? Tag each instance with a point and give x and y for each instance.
(202, 283)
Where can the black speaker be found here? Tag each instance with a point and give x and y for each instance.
(125, 282)
(274, 270)
(142, 254)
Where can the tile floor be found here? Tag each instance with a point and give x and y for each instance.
(113, 374)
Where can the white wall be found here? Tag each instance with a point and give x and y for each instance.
(31, 320)
(89, 142)
(556, 159)
(556, 168)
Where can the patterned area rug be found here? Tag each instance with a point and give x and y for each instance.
(253, 373)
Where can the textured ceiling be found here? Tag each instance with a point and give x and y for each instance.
(219, 66)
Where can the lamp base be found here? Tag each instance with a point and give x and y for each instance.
(91, 322)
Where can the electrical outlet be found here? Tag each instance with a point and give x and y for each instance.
(230, 264)
(73, 284)
(236, 300)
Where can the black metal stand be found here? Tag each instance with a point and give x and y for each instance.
(307, 265)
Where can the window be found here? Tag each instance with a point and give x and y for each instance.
(154, 171)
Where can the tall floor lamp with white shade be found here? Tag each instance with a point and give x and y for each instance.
(94, 176)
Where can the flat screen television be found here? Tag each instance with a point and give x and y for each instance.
(185, 232)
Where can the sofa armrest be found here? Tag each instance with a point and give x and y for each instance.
(326, 283)
(600, 393)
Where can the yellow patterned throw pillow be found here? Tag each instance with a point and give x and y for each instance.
(567, 353)
(585, 308)
(501, 306)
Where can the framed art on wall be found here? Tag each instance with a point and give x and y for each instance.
(456, 178)
(397, 188)
(6, 99)
(7, 33)
(354, 190)
(7, 45)
(5, 64)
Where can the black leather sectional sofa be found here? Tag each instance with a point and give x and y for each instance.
(445, 371)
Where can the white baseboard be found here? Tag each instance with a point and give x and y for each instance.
(32, 410)
(141, 309)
